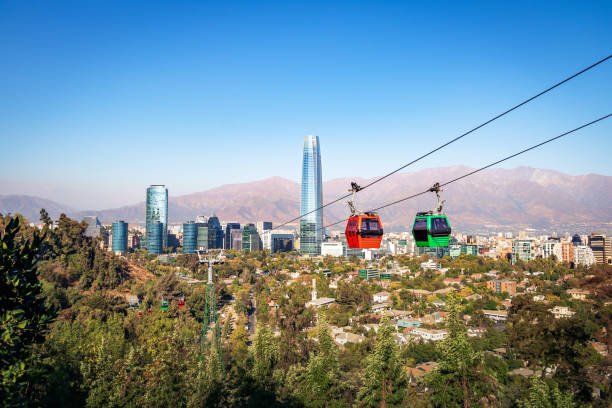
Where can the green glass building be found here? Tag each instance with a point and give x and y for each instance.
(250, 238)
(369, 273)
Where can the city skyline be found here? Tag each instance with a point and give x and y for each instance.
(249, 81)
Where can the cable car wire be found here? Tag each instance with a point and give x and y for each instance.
(526, 101)
(481, 168)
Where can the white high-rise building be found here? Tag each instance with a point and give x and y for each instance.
(551, 248)
(583, 255)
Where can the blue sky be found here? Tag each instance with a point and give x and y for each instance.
(100, 99)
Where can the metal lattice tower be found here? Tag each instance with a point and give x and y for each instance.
(211, 316)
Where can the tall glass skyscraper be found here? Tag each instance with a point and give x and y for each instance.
(215, 233)
(157, 211)
(312, 198)
(228, 233)
(190, 237)
(155, 238)
(120, 237)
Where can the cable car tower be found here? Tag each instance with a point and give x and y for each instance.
(211, 317)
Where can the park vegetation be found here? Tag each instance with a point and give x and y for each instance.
(69, 338)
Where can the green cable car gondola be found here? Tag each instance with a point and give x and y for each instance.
(164, 305)
(432, 229)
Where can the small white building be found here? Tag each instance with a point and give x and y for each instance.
(380, 297)
(430, 265)
(344, 338)
(372, 326)
(316, 301)
(380, 307)
(430, 334)
(561, 312)
(496, 315)
(332, 249)
(579, 294)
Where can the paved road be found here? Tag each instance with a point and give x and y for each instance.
(252, 319)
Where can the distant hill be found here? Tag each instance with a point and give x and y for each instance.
(495, 198)
(30, 206)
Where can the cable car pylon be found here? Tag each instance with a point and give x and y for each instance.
(211, 316)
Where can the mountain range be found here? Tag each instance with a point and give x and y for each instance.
(493, 198)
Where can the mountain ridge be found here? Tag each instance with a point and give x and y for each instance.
(523, 195)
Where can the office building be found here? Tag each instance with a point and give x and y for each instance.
(190, 237)
(120, 237)
(583, 255)
(228, 233)
(133, 241)
(567, 252)
(250, 238)
(215, 233)
(576, 240)
(502, 286)
(333, 248)
(552, 249)
(597, 243)
(454, 251)
(369, 273)
(236, 239)
(155, 237)
(202, 240)
(94, 227)
(277, 241)
(173, 241)
(157, 212)
(263, 226)
(311, 223)
(523, 250)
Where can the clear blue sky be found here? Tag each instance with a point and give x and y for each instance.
(100, 99)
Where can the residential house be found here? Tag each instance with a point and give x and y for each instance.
(380, 297)
(430, 334)
(579, 294)
(496, 315)
(344, 338)
(561, 312)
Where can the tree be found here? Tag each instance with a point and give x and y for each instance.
(542, 395)
(24, 316)
(265, 355)
(384, 380)
(322, 370)
(529, 329)
(461, 373)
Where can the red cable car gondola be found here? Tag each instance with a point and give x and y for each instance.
(181, 303)
(363, 230)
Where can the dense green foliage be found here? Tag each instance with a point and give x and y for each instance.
(69, 338)
(24, 316)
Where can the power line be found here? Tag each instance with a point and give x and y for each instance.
(526, 101)
(482, 168)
